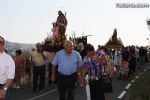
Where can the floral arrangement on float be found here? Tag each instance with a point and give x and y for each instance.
(114, 42)
(54, 44)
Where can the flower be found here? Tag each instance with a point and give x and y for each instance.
(54, 44)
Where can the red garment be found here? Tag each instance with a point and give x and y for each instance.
(20, 66)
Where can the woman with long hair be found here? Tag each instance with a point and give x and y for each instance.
(20, 67)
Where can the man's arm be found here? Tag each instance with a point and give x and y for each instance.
(10, 73)
(6, 86)
(79, 69)
(53, 77)
(82, 74)
(54, 63)
(8, 83)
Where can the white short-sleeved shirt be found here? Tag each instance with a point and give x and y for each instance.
(7, 67)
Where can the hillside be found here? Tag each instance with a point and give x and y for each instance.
(12, 46)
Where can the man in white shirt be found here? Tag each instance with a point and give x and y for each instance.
(7, 71)
(38, 68)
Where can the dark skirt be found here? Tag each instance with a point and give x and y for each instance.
(96, 90)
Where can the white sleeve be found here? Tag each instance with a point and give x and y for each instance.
(10, 68)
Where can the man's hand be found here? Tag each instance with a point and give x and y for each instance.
(53, 78)
(79, 78)
(2, 94)
(83, 82)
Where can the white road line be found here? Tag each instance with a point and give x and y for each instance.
(49, 92)
(132, 81)
(128, 86)
(137, 77)
(122, 94)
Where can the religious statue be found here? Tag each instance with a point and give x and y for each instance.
(114, 36)
(59, 27)
(62, 22)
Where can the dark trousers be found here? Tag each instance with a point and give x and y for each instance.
(96, 90)
(132, 67)
(66, 86)
(49, 73)
(38, 72)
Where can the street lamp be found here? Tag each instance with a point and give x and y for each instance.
(148, 23)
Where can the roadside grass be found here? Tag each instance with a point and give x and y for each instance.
(140, 89)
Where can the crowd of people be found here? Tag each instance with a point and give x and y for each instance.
(69, 68)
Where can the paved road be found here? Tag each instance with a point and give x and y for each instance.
(51, 92)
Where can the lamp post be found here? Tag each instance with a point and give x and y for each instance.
(148, 24)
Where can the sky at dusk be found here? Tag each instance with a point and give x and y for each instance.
(29, 21)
